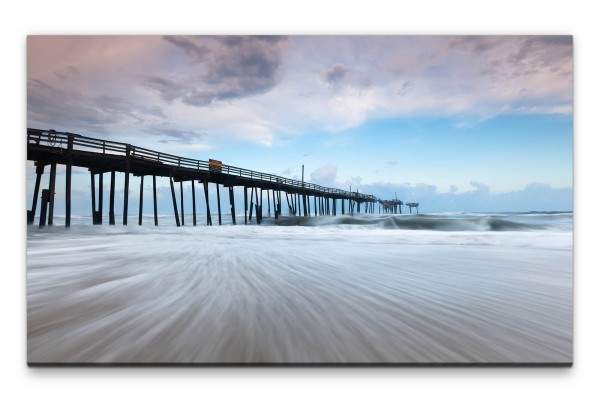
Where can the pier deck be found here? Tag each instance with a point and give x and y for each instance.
(48, 147)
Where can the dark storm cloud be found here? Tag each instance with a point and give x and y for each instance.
(57, 108)
(224, 68)
(336, 73)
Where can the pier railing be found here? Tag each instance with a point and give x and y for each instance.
(60, 141)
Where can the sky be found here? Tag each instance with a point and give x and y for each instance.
(456, 123)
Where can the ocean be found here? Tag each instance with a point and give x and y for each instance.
(427, 288)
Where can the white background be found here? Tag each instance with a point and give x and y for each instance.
(305, 17)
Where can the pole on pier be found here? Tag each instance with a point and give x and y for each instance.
(45, 200)
(208, 217)
(51, 187)
(308, 204)
(93, 188)
(245, 205)
(175, 212)
(193, 203)
(111, 203)
(154, 196)
(68, 181)
(39, 170)
(141, 200)
(218, 202)
(232, 203)
(275, 205)
(126, 193)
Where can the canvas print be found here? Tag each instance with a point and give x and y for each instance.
(267, 200)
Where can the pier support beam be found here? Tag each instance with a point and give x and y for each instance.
(251, 203)
(181, 198)
(268, 203)
(100, 197)
(279, 203)
(218, 203)
(45, 200)
(141, 209)
(304, 204)
(232, 204)
(51, 187)
(126, 192)
(93, 190)
(175, 212)
(154, 196)
(111, 202)
(245, 205)
(258, 211)
(39, 170)
(208, 217)
(193, 203)
(68, 182)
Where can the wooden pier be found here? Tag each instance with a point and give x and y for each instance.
(49, 148)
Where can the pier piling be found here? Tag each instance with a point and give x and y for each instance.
(51, 187)
(45, 200)
(232, 204)
(181, 198)
(193, 203)
(126, 190)
(111, 203)
(218, 203)
(208, 216)
(141, 208)
(154, 196)
(69, 164)
(175, 212)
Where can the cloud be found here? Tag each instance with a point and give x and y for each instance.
(51, 107)
(336, 73)
(480, 187)
(184, 136)
(325, 175)
(222, 68)
(533, 197)
(268, 89)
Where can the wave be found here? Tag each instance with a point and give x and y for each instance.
(420, 222)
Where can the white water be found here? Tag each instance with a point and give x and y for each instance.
(326, 292)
